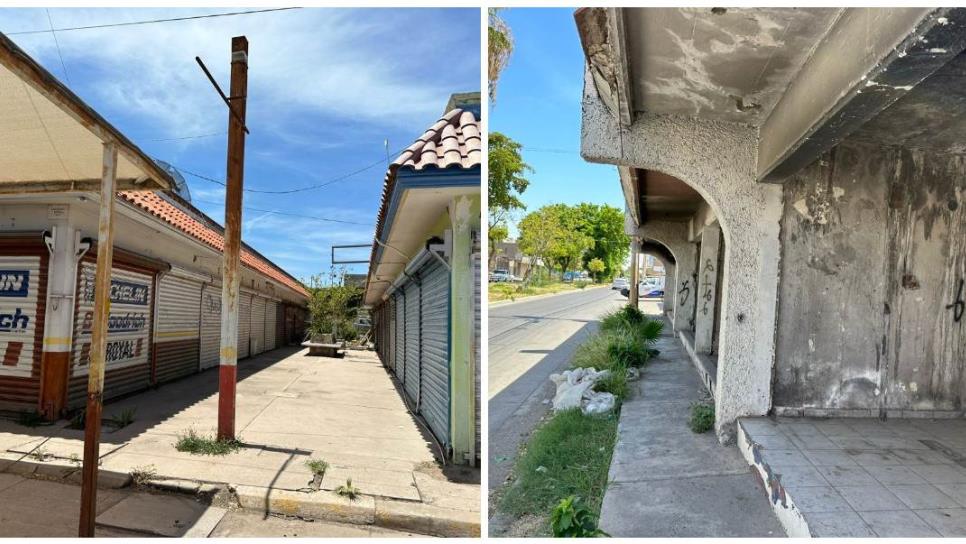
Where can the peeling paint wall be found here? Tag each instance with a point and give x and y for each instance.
(873, 246)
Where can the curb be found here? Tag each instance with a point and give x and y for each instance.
(364, 510)
(61, 470)
(500, 303)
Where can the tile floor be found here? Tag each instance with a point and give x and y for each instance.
(867, 477)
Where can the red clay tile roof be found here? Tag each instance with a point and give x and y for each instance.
(168, 212)
(452, 142)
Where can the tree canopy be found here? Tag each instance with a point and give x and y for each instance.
(506, 177)
(499, 48)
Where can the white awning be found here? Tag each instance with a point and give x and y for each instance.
(51, 141)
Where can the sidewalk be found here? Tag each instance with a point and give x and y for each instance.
(290, 407)
(666, 481)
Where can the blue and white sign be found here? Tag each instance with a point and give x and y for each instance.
(19, 279)
(14, 283)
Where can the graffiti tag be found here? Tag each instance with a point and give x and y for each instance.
(959, 305)
(685, 291)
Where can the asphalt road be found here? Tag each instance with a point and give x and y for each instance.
(528, 341)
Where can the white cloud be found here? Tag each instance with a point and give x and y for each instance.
(360, 64)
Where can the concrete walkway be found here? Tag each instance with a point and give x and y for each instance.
(291, 407)
(666, 481)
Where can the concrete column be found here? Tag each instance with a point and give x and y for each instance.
(632, 295)
(667, 304)
(707, 284)
(65, 247)
(464, 212)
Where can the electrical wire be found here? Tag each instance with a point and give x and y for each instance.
(327, 219)
(150, 21)
(187, 137)
(57, 45)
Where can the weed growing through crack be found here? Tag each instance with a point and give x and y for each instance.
(122, 419)
(317, 466)
(348, 490)
(143, 474)
(702, 418)
(41, 454)
(194, 443)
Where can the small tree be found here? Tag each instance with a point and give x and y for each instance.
(596, 267)
(333, 305)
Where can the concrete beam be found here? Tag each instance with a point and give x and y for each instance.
(869, 59)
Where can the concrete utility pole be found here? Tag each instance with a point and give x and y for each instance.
(102, 308)
(228, 371)
(635, 276)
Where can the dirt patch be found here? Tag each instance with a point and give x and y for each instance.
(450, 473)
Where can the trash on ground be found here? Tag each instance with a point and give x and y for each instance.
(575, 390)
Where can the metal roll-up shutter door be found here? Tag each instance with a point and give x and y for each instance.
(210, 326)
(258, 325)
(271, 324)
(412, 341)
(477, 361)
(127, 366)
(177, 330)
(23, 294)
(434, 345)
(244, 324)
(399, 361)
(390, 334)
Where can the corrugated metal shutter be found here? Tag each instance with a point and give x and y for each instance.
(177, 330)
(399, 361)
(412, 341)
(258, 325)
(244, 324)
(23, 294)
(477, 313)
(271, 324)
(434, 341)
(210, 326)
(127, 365)
(390, 334)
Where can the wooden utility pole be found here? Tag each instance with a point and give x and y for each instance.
(102, 308)
(228, 370)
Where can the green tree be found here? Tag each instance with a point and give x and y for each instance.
(605, 224)
(551, 235)
(332, 305)
(497, 233)
(499, 48)
(506, 180)
(596, 267)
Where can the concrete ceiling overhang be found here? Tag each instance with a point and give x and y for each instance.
(417, 210)
(51, 141)
(664, 197)
(805, 77)
(659, 250)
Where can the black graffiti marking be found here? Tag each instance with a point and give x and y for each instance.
(685, 291)
(959, 305)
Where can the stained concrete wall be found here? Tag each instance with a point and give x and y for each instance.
(718, 160)
(873, 250)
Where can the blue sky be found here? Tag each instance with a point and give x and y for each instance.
(326, 88)
(538, 105)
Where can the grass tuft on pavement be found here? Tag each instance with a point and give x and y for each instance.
(567, 455)
(194, 443)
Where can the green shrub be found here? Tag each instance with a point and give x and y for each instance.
(572, 519)
(122, 419)
(626, 350)
(192, 442)
(317, 466)
(702, 418)
(348, 490)
(615, 383)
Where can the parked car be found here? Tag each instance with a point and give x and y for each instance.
(619, 283)
(499, 275)
(645, 290)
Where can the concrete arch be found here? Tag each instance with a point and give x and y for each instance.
(674, 237)
(718, 160)
(663, 254)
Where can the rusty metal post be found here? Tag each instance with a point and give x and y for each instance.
(102, 309)
(228, 369)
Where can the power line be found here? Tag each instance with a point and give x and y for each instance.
(327, 219)
(150, 21)
(57, 44)
(187, 137)
(291, 191)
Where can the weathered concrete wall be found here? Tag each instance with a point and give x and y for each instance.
(873, 248)
(718, 160)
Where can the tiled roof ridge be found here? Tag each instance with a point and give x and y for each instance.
(171, 214)
(454, 141)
